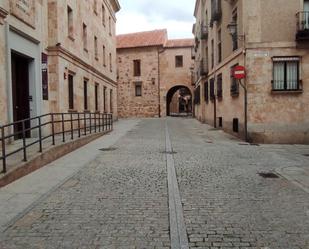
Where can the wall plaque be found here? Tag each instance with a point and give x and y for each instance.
(24, 10)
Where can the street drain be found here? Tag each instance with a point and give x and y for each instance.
(306, 155)
(108, 149)
(169, 152)
(268, 175)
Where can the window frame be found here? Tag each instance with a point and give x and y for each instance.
(286, 59)
(137, 68)
(136, 85)
(71, 91)
(179, 61)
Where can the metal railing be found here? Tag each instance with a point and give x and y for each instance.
(49, 126)
(302, 20)
(302, 25)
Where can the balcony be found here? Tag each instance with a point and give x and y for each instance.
(203, 67)
(302, 26)
(193, 51)
(216, 11)
(204, 32)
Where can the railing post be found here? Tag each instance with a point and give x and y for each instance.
(71, 117)
(40, 135)
(63, 131)
(90, 122)
(85, 124)
(78, 120)
(99, 122)
(53, 128)
(112, 122)
(3, 149)
(24, 140)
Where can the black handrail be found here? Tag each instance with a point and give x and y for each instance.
(77, 122)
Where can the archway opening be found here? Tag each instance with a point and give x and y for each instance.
(179, 101)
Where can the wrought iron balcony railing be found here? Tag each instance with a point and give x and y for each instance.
(302, 26)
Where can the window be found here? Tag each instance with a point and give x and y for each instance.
(137, 67)
(85, 95)
(104, 56)
(212, 88)
(138, 89)
(85, 36)
(219, 86)
(71, 92)
(104, 99)
(212, 54)
(70, 22)
(219, 46)
(179, 61)
(206, 91)
(110, 25)
(234, 83)
(110, 62)
(197, 95)
(96, 52)
(103, 15)
(286, 73)
(111, 101)
(235, 35)
(96, 88)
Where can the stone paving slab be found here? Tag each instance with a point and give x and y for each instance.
(19, 195)
(226, 203)
(119, 200)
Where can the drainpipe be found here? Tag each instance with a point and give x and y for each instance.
(159, 82)
(215, 112)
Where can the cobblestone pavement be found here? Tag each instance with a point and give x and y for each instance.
(226, 203)
(120, 200)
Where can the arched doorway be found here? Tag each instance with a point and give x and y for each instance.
(179, 101)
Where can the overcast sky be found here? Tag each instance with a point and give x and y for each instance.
(141, 15)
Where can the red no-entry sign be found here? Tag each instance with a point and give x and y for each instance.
(239, 72)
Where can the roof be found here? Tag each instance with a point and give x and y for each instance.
(178, 43)
(142, 39)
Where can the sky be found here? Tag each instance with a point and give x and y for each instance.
(142, 15)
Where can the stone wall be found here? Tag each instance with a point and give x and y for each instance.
(170, 75)
(146, 105)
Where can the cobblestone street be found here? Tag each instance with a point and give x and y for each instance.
(121, 198)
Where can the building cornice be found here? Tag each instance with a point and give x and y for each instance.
(62, 52)
(197, 3)
(116, 5)
(3, 15)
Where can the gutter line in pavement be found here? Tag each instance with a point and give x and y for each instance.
(178, 232)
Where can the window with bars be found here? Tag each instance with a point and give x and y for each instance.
(206, 91)
(137, 68)
(179, 61)
(85, 95)
(234, 83)
(70, 22)
(219, 86)
(138, 89)
(96, 94)
(212, 88)
(286, 74)
(71, 92)
(104, 99)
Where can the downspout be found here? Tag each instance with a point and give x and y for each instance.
(159, 82)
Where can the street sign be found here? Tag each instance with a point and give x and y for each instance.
(239, 72)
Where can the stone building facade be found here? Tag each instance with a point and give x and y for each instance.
(44, 45)
(148, 76)
(274, 50)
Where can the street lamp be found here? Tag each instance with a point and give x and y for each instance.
(232, 27)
